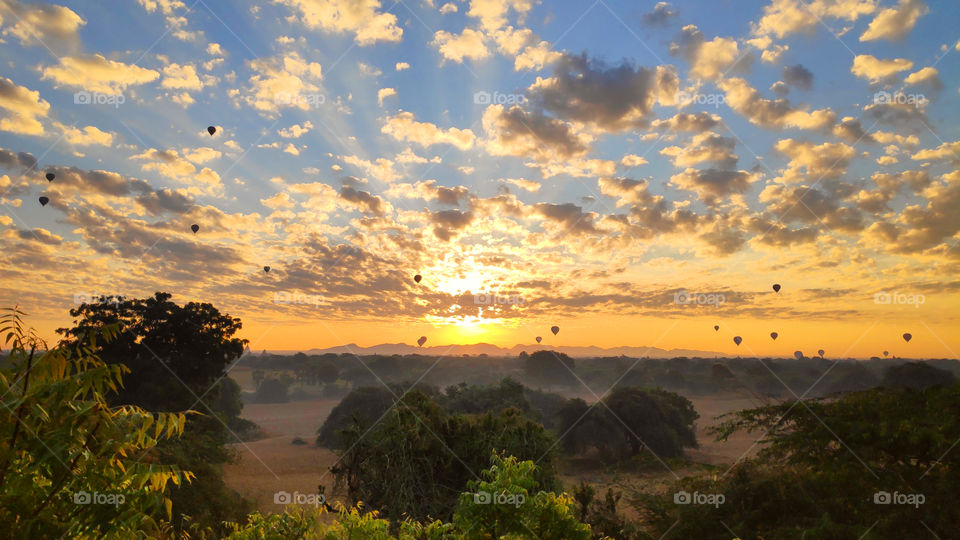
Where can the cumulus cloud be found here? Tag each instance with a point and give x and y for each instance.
(362, 18)
(24, 108)
(516, 132)
(704, 148)
(661, 15)
(875, 70)
(895, 23)
(611, 98)
(712, 185)
(798, 77)
(455, 47)
(404, 127)
(95, 73)
(284, 81)
(45, 25)
(712, 59)
(384, 93)
(779, 113)
(693, 122)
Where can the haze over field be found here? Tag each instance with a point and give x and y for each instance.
(634, 173)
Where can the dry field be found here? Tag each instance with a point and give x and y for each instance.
(274, 464)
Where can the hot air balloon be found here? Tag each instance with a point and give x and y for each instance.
(886, 353)
(194, 228)
(44, 201)
(50, 176)
(737, 340)
(211, 130)
(773, 335)
(776, 287)
(716, 327)
(907, 337)
(555, 329)
(820, 352)
(422, 340)
(539, 339)
(266, 268)
(798, 355)
(417, 278)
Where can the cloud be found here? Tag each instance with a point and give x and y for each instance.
(712, 185)
(784, 17)
(42, 25)
(522, 183)
(661, 15)
(182, 77)
(827, 160)
(90, 135)
(447, 8)
(384, 93)
(492, 14)
(945, 152)
(712, 59)
(568, 218)
(284, 81)
(928, 77)
(381, 170)
(455, 47)
(694, 122)
(24, 109)
(894, 24)
(704, 148)
(798, 77)
(448, 223)
(401, 66)
(516, 132)
(296, 131)
(95, 73)
(875, 70)
(364, 201)
(609, 98)
(358, 17)
(404, 127)
(779, 113)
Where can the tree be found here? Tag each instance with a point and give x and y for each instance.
(176, 357)
(67, 450)
(359, 410)
(272, 391)
(629, 421)
(550, 368)
(916, 375)
(418, 455)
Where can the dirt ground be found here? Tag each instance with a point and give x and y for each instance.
(273, 464)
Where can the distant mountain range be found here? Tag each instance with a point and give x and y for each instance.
(493, 350)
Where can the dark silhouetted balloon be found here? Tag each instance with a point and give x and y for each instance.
(50, 176)
(422, 340)
(44, 201)
(417, 278)
(266, 268)
(798, 355)
(776, 287)
(539, 339)
(773, 335)
(211, 130)
(820, 352)
(737, 340)
(194, 228)
(716, 327)
(907, 337)
(886, 353)
(555, 329)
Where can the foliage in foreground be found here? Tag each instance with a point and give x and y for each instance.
(506, 503)
(72, 465)
(880, 460)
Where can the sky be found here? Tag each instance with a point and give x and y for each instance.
(635, 173)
